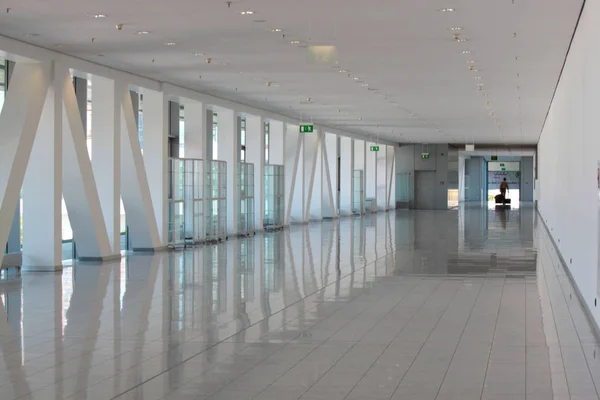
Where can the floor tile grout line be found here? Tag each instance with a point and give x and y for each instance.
(564, 297)
(395, 337)
(357, 297)
(318, 346)
(272, 383)
(493, 339)
(554, 319)
(229, 337)
(425, 341)
(335, 363)
(459, 339)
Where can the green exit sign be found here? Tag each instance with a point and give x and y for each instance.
(503, 169)
(502, 164)
(374, 148)
(494, 158)
(425, 156)
(307, 128)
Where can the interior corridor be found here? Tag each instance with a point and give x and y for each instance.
(464, 304)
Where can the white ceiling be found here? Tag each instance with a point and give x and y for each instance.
(402, 48)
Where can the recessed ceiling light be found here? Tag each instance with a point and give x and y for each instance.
(466, 52)
(456, 28)
(478, 78)
(276, 30)
(97, 16)
(343, 71)
(198, 54)
(224, 63)
(170, 44)
(356, 78)
(446, 10)
(295, 42)
(461, 40)
(142, 32)
(471, 62)
(32, 34)
(472, 68)
(247, 12)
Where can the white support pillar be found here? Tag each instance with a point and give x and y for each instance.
(79, 185)
(371, 174)
(228, 151)
(294, 185)
(360, 161)
(382, 179)
(346, 168)
(106, 154)
(329, 198)
(135, 190)
(255, 154)
(195, 129)
(156, 121)
(42, 188)
(312, 176)
(391, 177)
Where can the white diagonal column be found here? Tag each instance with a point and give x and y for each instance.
(19, 120)
(371, 175)
(391, 177)
(312, 176)
(79, 185)
(228, 151)
(42, 188)
(360, 160)
(106, 153)
(382, 179)
(135, 190)
(294, 185)
(156, 120)
(255, 154)
(330, 181)
(346, 168)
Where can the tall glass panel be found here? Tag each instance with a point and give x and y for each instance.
(274, 196)
(267, 137)
(216, 206)
(245, 182)
(358, 191)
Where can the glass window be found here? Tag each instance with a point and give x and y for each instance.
(215, 144)
(267, 133)
(181, 132)
(243, 139)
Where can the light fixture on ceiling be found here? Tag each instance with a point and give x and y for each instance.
(343, 71)
(170, 44)
(472, 68)
(461, 40)
(247, 12)
(97, 16)
(456, 28)
(446, 10)
(224, 63)
(356, 78)
(276, 30)
(466, 52)
(198, 54)
(142, 32)
(471, 62)
(478, 78)
(295, 42)
(365, 85)
(32, 34)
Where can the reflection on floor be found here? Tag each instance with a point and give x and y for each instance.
(467, 304)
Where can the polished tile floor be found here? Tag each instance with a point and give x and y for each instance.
(461, 304)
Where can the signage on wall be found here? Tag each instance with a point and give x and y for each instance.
(374, 148)
(494, 158)
(425, 156)
(307, 128)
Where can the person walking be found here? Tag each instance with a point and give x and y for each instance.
(503, 190)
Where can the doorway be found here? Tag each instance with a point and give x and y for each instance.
(425, 190)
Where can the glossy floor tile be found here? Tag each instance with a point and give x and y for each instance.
(460, 304)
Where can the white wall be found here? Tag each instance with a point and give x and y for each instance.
(569, 152)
